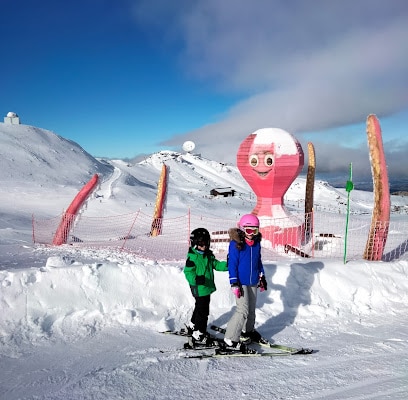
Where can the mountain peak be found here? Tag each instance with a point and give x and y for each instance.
(34, 154)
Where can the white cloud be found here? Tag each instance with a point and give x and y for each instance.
(300, 66)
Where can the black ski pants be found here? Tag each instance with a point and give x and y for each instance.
(200, 313)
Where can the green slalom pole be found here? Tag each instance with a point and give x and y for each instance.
(349, 188)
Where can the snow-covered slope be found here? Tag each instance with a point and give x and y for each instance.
(84, 323)
(30, 154)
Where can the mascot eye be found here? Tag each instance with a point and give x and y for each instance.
(268, 159)
(253, 160)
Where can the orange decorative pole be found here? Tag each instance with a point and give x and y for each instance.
(309, 194)
(380, 219)
(159, 206)
(65, 225)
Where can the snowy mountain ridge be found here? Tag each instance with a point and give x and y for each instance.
(34, 154)
(31, 154)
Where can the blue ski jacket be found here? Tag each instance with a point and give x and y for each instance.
(244, 261)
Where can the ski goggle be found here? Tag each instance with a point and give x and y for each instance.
(251, 230)
(201, 243)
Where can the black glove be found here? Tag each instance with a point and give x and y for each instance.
(262, 283)
(200, 280)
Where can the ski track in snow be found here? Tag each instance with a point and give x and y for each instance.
(107, 186)
(336, 372)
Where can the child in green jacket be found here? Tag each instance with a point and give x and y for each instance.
(199, 272)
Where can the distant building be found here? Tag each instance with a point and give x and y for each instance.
(226, 192)
(12, 118)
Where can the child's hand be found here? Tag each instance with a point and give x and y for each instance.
(237, 290)
(262, 283)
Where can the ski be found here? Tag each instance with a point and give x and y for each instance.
(190, 345)
(212, 343)
(265, 342)
(195, 347)
(181, 332)
(220, 354)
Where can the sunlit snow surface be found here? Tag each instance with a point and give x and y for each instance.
(84, 324)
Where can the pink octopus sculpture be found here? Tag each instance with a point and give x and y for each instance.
(270, 159)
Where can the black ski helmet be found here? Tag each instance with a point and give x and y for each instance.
(200, 235)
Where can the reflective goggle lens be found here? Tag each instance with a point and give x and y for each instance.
(249, 230)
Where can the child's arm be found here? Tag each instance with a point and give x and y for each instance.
(190, 272)
(220, 265)
(233, 261)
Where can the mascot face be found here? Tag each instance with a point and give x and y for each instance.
(269, 160)
(261, 160)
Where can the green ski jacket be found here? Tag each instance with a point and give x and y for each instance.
(202, 265)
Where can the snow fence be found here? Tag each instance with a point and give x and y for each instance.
(323, 235)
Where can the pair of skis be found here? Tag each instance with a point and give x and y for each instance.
(283, 350)
(219, 351)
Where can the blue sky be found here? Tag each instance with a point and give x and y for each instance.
(123, 78)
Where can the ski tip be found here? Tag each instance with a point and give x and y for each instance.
(232, 353)
(306, 351)
(181, 332)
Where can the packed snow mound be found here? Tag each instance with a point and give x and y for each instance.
(34, 154)
(68, 299)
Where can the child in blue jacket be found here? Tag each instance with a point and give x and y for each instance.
(246, 274)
